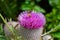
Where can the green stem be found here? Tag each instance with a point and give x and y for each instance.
(5, 22)
(7, 26)
(47, 32)
(52, 30)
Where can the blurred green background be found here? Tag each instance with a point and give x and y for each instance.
(50, 8)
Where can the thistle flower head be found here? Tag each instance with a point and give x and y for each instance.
(31, 20)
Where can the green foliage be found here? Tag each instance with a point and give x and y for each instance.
(9, 8)
(56, 35)
(1, 29)
(39, 9)
(55, 3)
(53, 19)
(2, 37)
(38, 0)
(27, 5)
(31, 6)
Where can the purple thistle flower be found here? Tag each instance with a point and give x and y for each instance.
(31, 20)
